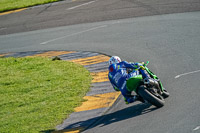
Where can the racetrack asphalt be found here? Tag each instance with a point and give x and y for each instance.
(70, 12)
(170, 42)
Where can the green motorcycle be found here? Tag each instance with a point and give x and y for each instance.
(149, 89)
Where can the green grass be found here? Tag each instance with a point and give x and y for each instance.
(6, 5)
(36, 94)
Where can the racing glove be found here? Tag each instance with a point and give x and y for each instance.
(138, 65)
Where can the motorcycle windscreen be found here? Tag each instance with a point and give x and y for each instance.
(133, 82)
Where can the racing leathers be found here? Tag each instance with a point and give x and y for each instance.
(118, 76)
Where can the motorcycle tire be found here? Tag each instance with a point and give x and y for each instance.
(146, 95)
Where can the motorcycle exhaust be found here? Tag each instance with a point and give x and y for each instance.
(153, 82)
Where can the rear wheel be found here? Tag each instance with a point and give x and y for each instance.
(157, 101)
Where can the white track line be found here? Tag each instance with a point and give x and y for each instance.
(91, 29)
(81, 5)
(178, 76)
(3, 28)
(197, 128)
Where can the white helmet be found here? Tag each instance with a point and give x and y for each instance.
(114, 60)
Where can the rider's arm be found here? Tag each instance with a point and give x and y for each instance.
(130, 65)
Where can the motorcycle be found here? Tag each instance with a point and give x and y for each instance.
(149, 89)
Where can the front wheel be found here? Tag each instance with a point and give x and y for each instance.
(154, 100)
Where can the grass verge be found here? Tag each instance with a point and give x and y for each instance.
(6, 5)
(36, 94)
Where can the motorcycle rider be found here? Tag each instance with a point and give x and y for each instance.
(118, 76)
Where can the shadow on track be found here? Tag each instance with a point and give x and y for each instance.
(126, 113)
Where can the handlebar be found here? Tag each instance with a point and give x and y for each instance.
(146, 64)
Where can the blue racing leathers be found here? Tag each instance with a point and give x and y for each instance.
(118, 76)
